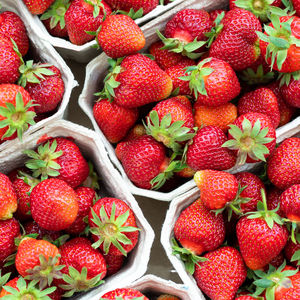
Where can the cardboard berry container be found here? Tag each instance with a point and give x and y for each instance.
(43, 51)
(111, 185)
(84, 53)
(96, 71)
(156, 285)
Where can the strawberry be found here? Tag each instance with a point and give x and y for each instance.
(290, 202)
(135, 5)
(37, 8)
(273, 200)
(17, 112)
(83, 16)
(61, 158)
(113, 263)
(120, 36)
(261, 236)
(291, 92)
(136, 80)
(11, 26)
(54, 204)
(44, 84)
(213, 82)
(128, 293)
(291, 252)
(220, 116)
(187, 172)
(279, 43)
(217, 188)
(38, 260)
(223, 272)
(32, 227)
(85, 197)
(114, 120)
(246, 298)
(237, 42)
(8, 198)
(215, 13)
(9, 230)
(296, 5)
(261, 100)
(113, 226)
(283, 165)
(167, 297)
(198, 230)
(205, 151)
(54, 18)
(84, 266)
(253, 136)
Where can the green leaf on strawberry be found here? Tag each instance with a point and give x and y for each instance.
(3, 279)
(131, 13)
(218, 26)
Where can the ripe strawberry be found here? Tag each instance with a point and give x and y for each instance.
(291, 92)
(85, 197)
(283, 165)
(19, 115)
(223, 272)
(114, 120)
(220, 116)
(187, 172)
(37, 8)
(246, 298)
(213, 82)
(253, 136)
(113, 263)
(126, 5)
(8, 198)
(11, 26)
(136, 81)
(279, 43)
(205, 150)
(124, 292)
(83, 16)
(54, 204)
(273, 200)
(290, 202)
(215, 13)
(261, 236)
(167, 297)
(120, 36)
(261, 100)
(84, 266)
(32, 227)
(113, 226)
(237, 42)
(198, 230)
(38, 260)
(61, 158)
(9, 230)
(135, 132)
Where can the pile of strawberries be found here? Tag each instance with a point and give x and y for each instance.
(29, 90)
(209, 96)
(57, 237)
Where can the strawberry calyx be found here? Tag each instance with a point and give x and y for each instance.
(78, 282)
(285, 78)
(27, 291)
(216, 29)
(196, 75)
(279, 39)
(168, 133)
(3, 279)
(92, 180)
(56, 13)
(111, 230)
(94, 5)
(181, 46)
(31, 181)
(273, 279)
(187, 257)
(131, 13)
(249, 141)
(17, 117)
(258, 77)
(43, 161)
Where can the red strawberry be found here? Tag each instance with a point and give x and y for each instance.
(273, 200)
(11, 26)
(291, 252)
(39, 7)
(54, 204)
(8, 198)
(261, 100)
(283, 165)
(32, 227)
(114, 120)
(85, 197)
(126, 5)
(253, 136)
(124, 292)
(291, 92)
(280, 39)
(213, 82)
(205, 150)
(290, 202)
(245, 298)
(108, 219)
(120, 36)
(114, 263)
(198, 230)
(215, 13)
(19, 118)
(60, 158)
(221, 275)
(84, 16)
(84, 266)
(296, 5)
(9, 230)
(137, 81)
